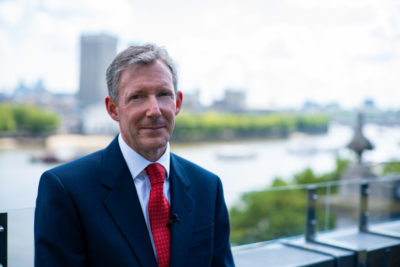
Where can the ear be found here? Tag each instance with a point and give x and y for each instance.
(178, 103)
(112, 108)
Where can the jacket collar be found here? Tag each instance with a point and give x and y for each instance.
(123, 204)
(183, 205)
(124, 207)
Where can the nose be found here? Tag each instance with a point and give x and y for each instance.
(153, 108)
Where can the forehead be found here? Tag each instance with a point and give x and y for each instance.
(156, 73)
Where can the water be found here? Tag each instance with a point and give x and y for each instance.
(19, 176)
(272, 158)
(283, 158)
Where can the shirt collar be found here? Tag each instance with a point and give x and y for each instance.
(137, 163)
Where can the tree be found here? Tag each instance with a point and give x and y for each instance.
(27, 119)
(271, 214)
(392, 167)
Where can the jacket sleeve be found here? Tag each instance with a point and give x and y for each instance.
(222, 248)
(58, 234)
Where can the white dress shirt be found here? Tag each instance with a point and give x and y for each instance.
(137, 164)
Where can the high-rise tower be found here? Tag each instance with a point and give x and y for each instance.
(97, 52)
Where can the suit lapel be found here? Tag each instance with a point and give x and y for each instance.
(183, 205)
(124, 206)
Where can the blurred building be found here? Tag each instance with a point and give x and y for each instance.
(313, 106)
(33, 95)
(234, 101)
(369, 103)
(191, 102)
(95, 120)
(97, 52)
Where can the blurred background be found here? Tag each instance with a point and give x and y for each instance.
(272, 92)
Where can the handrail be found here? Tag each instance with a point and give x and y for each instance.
(355, 181)
(363, 219)
(3, 239)
(311, 221)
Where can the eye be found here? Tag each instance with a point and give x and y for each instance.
(135, 97)
(166, 93)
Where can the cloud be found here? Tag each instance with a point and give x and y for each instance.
(321, 50)
(10, 13)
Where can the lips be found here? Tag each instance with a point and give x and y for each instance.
(152, 127)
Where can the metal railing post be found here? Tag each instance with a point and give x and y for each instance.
(3, 239)
(311, 222)
(363, 220)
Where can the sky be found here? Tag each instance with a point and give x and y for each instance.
(281, 52)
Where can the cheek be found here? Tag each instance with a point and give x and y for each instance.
(171, 116)
(169, 108)
(132, 114)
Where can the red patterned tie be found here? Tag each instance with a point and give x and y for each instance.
(159, 213)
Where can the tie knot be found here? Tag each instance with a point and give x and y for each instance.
(156, 173)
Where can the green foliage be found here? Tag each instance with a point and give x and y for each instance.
(277, 182)
(312, 123)
(26, 119)
(270, 214)
(392, 167)
(217, 126)
(7, 121)
(307, 176)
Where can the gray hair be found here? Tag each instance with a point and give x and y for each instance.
(137, 55)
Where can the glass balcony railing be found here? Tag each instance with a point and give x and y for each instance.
(345, 223)
(19, 233)
(368, 205)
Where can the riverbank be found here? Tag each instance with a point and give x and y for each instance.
(91, 143)
(84, 142)
(212, 126)
(56, 148)
(7, 143)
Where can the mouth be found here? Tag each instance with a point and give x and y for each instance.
(153, 127)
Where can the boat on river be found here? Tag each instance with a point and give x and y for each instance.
(235, 152)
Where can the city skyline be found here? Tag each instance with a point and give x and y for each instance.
(282, 53)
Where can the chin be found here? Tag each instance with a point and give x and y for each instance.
(155, 143)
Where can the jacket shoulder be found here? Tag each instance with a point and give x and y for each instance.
(190, 166)
(84, 166)
(194, 174)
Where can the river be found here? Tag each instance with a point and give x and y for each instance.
(254, 168)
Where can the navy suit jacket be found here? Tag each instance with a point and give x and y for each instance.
(88, 214)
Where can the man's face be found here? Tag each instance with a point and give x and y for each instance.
(146, 109)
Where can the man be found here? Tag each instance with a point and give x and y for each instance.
(134, 203)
